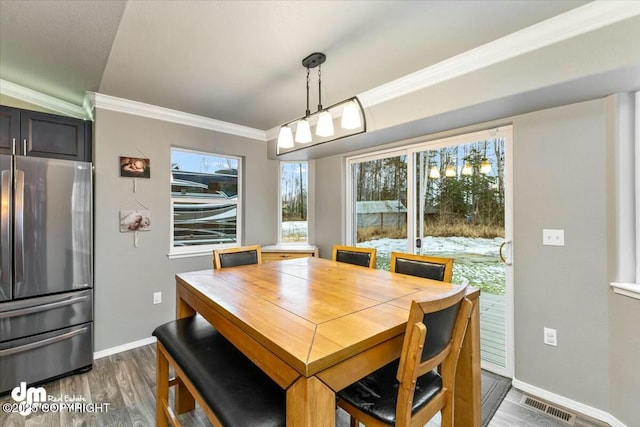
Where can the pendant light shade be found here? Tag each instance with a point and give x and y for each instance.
(325, 124)
(485, 167)
(303, 131)
(434, 173)
(450, 171)
(285, 137)
(349, 111)
(467, 169)
(351, 116)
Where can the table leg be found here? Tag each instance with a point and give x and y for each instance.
(310, 403)
(182, 308)
(468, 393)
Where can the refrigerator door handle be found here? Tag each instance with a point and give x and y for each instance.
(5, 232)
(42, 307)
(19, 226)
(42, 343)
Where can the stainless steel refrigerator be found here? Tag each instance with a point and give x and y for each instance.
(46, 281)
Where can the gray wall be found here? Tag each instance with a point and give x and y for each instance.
(125, 276)
(560, 181)
(560, 174)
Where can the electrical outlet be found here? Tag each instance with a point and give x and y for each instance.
(553, 237)
(157, 297)
(550, 337)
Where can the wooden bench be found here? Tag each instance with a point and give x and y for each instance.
(231, 390)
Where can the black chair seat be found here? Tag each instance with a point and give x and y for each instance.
(235, 389)
(377, 393)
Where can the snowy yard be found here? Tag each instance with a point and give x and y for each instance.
(475, 258)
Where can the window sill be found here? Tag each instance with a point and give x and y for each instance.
(628, 289)
(178, 255)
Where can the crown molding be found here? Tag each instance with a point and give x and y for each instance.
(580, 20)
(40, 99)
(113, 103)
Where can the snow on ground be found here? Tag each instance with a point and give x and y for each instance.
(474, 258)
(441, 245)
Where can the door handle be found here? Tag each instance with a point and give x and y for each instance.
(19, 226)
(43, 307)
(47, 341)
(502, 258)
(5, 232)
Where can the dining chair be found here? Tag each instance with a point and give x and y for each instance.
(413, 388)
(365, 257)
(429, 267)
(232, 257)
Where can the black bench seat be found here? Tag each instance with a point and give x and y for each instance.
(231, 385)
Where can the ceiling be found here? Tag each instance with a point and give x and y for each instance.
(240, 61)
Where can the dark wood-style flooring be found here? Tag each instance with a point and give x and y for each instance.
(126, 381)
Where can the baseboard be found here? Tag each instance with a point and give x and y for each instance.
(568, 403)
(123, 347)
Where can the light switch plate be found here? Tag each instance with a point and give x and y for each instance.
(553, 237)
(551, 337)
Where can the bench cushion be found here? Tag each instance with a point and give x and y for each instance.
(235, 389)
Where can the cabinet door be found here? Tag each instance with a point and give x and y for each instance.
(9, 129)
(57, 137)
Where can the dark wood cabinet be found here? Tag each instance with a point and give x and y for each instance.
(9, 129)
(31, 133)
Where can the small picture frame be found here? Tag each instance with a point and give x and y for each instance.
(134, 220)
(135, 167)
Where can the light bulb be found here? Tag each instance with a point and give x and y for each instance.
(434, 172)
(303, 131)
(285, 137)
(351, 116)
(325, 124)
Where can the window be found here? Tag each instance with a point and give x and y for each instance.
(205, 202)
(294, 196)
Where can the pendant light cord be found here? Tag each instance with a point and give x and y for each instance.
(319, 87)
(308, 111)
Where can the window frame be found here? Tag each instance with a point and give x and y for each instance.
(205, 250)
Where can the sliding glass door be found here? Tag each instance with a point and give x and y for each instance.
(451, 198)
(379, 204)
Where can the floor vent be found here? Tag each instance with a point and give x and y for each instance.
(553, 411)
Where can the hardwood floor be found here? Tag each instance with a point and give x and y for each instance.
(126, 382)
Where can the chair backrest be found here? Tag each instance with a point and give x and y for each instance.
(433, 338)
(365, 257)
(232, 257)
(429, 267)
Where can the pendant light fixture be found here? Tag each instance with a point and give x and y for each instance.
(434, 172)
(318, 127)
(467, 169)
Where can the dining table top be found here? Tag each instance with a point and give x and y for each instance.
(312, 312)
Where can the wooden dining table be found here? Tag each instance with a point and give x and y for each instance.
(315, 326)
